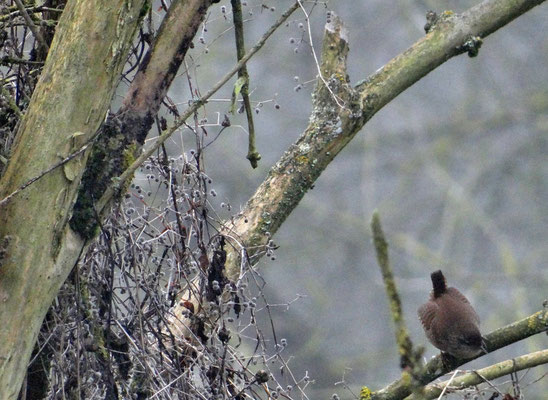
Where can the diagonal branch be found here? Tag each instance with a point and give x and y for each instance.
(35, 31)
(111, 191)
(452, 34)
(331, 127)
(123, 134)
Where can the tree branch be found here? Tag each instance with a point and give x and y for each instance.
(160, 66)
(339, 112)
(452, 34)
(110, 192)
(69, 97)
(252, 154)
(37, 34)
(408, 357)
(485, 374)
(536, 323)
(332, 127)
(123, 134)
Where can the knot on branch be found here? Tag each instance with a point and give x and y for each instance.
(472, 46)
(431, 19)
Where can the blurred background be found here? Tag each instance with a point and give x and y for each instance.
(456, 166)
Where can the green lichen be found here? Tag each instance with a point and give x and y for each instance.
(403, 341)
(265, 222)
(99, 337)
(365, 393)
(97, 331)
(406, 378)
(539, 318)
(129, 155)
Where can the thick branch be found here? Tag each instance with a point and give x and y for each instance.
(110, 192)
(302, 164)
(332, 127)
(160, 65)
(451, 35)
(67, 106)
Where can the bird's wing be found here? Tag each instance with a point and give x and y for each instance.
(426, 313)
(454, 293)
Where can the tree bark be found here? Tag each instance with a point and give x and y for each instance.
(490, 373)
(123, 135)
(37, 249)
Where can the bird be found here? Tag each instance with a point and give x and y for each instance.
(450, 322)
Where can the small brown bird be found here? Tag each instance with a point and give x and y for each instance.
(450, 322)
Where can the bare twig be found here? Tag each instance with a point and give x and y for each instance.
(252, 154)
(48, 170)
(409, 359)
(13, 60)
(35, 31)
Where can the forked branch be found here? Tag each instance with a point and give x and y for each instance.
(341, 112)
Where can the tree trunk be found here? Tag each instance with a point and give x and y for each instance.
(37, 249)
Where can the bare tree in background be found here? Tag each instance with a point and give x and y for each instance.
(144, 291)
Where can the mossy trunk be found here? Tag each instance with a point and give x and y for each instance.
(37, 249)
